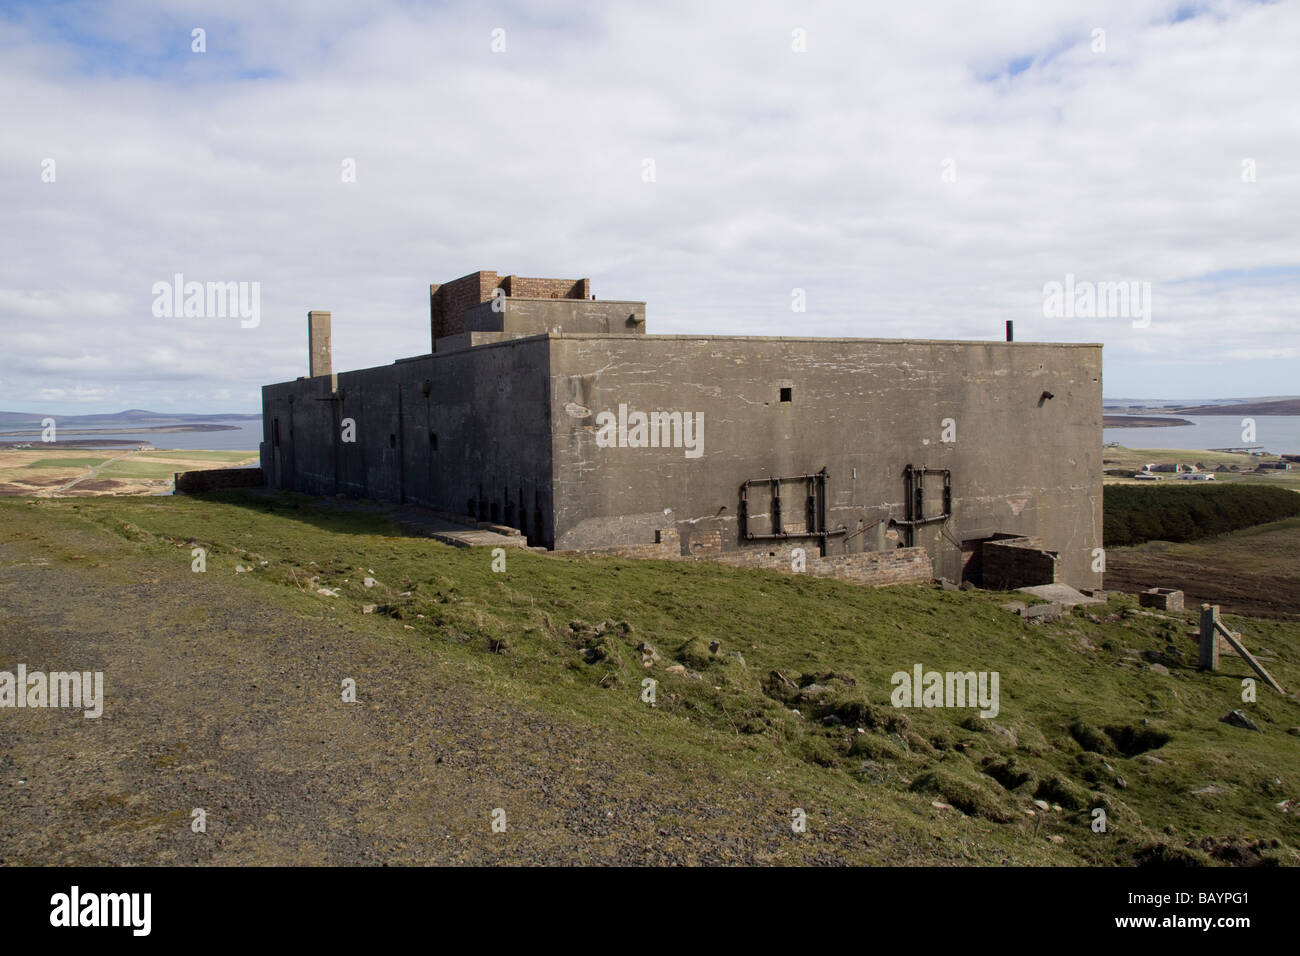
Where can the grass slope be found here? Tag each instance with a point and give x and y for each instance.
(1084, 723)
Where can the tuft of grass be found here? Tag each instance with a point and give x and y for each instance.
(1058, 788)
(695, 653)
(962, 790)
(874, 747)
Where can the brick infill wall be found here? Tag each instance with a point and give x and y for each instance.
(870, 568)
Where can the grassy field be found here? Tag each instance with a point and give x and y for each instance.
(55, 461)
(797, 691)
(65, 470)
(1134, 459)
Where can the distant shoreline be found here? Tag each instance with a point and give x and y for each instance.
(1140, 421)
(128, 430)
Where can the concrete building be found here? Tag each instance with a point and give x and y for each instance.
(545, 410)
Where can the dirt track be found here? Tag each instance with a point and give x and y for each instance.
(1254, 572)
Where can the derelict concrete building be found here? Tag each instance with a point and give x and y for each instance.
(544, 410)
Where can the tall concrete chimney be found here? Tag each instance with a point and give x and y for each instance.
(318, 344)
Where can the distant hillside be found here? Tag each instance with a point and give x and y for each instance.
(1203, 406)
(1140, 421)
(132, 416)
(1288, 406)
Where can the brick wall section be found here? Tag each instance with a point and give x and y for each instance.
(877, 568)
(1009, 563)
(871, 568)
(667, 547)
(703, 543)
(525, 288)
(215, 479)
(1166, 599)
(448, 302)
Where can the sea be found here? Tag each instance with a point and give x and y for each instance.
(245, 436)
(1278, 434)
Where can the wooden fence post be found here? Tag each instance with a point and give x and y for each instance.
(1211, 628)
(1209, 660)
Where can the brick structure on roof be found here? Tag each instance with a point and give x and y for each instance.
(449, 301)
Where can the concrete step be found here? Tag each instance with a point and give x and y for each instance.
(1061, 594)
(498, 528)
(479, 539)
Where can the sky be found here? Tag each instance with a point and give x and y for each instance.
(926, 170)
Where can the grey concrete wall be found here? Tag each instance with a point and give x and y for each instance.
(217, 479)
(487, 408)
(863, 409)
(466, 340)
(516, 424)
(537, 316)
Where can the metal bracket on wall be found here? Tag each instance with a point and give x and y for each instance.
(814, 487)
(914, 480)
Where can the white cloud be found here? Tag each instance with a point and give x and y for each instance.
(776, 170)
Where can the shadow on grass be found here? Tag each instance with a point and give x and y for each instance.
(324, 514)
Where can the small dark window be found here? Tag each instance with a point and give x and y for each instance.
(786, 395)
(392, 441)
(275, 432)
(433, 440)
